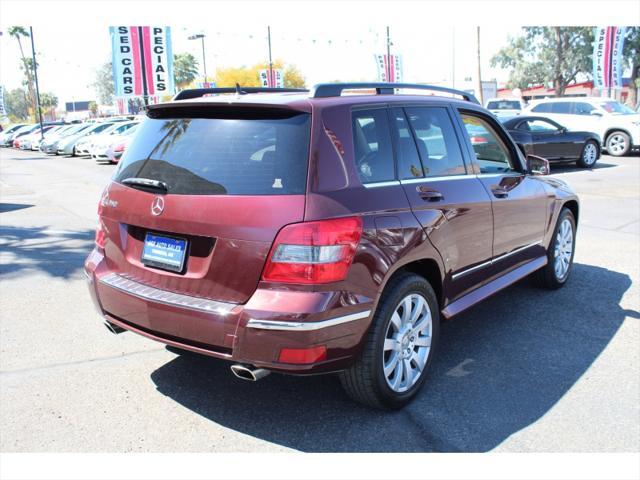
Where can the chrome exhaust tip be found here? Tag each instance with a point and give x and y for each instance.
(113, 328)
(247, 372)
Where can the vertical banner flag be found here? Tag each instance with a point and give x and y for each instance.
(142, 61)
(274, 81)
(383, 62)
(607, 57)
(3, 112)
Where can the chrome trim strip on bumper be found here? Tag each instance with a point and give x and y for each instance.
(306, 326)
(493, 260)
(162, 296)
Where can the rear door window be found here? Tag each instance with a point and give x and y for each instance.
(542, 108)
(561, 107)
(373, 153)
(253, 153)
(437, 141)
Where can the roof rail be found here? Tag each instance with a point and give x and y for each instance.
(323, 90)
(200, 92)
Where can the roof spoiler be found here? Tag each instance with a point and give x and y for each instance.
(324, 90)
(201, 92)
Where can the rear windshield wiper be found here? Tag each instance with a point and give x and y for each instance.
(146, 183)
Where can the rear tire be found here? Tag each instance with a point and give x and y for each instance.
(560, 253)
(395, 343)
(589, 155)
(618, 144)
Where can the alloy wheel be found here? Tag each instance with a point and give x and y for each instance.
(563, 249)
(616, 144)
(407, 343)
(590, 153)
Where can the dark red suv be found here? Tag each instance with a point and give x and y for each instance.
(324, 231)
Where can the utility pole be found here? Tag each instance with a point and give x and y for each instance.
(389, 79)
(35, 72)
(479, 96)
(453, 57)
(200, 36)
(271, 79)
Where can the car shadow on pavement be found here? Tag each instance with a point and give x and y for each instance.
(501, 366)
(58, 253)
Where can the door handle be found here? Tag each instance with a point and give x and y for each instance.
(429, 194)
(500, 192)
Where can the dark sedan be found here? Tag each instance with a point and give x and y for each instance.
(546, 138)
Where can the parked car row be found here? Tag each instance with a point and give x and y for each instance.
(571, 128)
(103, 141)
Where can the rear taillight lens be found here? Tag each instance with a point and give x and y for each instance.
(100, 236)
(314, 252)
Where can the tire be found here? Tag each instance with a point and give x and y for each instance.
(548, 276)
(589, 155)
(618, 143)
(366, 381)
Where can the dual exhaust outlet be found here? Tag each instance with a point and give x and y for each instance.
(245, 372)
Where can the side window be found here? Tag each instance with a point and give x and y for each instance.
(582, 108)
(409, 165)
(437, 142)
(542, 108)
(540, 126)
(372, 145)
(491, 152)
(561, 107)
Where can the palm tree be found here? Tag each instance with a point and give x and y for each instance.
(185, 69)
(18, 32)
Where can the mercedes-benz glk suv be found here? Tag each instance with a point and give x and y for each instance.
(323, 231)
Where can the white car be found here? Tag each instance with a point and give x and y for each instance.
(106, 147)
(86, 145)
(505, 107)
(617, 125)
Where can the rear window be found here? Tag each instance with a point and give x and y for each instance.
(234, 155)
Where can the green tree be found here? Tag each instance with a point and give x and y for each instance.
(103, 84)
(249, 76)
(18, 33)
(17, 104)
(185, 69)
(631, 55)
(555, 55)
(93, 108)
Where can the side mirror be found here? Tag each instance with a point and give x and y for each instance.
(538, 165)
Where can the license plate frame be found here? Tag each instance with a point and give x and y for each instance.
(164, 251)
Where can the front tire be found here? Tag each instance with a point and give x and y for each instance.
(589, 155)
(556, 272)
(618, 144)
(399, 346)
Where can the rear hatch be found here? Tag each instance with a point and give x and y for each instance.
(200, 195)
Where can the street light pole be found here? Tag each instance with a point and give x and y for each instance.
(35, 72)
(389, 80)
(200, 36)
(271, 79)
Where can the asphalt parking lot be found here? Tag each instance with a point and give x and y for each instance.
(528, 370)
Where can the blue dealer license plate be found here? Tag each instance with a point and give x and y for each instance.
(164, 252)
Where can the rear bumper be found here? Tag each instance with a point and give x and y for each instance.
(251, 333)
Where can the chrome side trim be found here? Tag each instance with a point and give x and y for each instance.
(437, 178)
(381, 184)
(493, 260)
(162, 296)
(306, 326)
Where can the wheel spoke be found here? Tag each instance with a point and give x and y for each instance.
(396, 321)
(423, 341)
(417, 311)
(390, 344)
(391, 365)
(406, 310)
(408, 372)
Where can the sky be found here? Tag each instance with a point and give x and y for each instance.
(327, 40)
(68, 58)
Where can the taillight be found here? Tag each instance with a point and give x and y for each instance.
(100, 236)
(314, 252)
